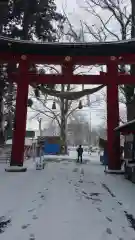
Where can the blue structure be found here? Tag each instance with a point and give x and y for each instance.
(104, 158)
(51, 148)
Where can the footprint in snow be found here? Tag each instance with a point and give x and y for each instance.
(25, 226)
(84, 192)
(109, 219)
(42, 197)
(76, 189)
(95, 194)
(80, 181)
(82, 171)
(34, 217)
(77, 185)
(123, 229)
(75, 170)
(120, 203)
(109, 231)
(40, 205)
(32, 237)
(99, 209)
(90, 182)
(31, 210)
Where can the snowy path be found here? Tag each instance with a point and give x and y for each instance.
(66, 201)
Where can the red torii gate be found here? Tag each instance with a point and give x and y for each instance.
(67, 55)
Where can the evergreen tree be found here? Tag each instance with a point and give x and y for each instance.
(27, 19)
(24, 20)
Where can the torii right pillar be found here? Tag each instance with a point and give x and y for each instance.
(113, 137)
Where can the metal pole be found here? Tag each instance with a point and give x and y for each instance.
(33, 150)
(89, 105)
(82, 87)
(40, 134)
(90, 128)
(40, 127)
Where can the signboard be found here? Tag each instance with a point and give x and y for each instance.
(29, 134)
(41, 140)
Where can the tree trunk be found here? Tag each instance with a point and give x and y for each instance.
(129, 91)
(130, 98)
(2, 138)
(63, 127)
(133, 18)
(2, 87)
(10, 116)
(131, 105)
(63, 122)
(63, 133)
(131, 110)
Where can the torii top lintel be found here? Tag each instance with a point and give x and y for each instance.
(98, 51)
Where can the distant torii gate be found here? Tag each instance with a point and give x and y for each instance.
(68, 55)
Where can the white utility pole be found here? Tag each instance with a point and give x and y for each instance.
(90, 125)
(40, 135)
(40, 127)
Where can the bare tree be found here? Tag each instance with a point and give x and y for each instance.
(121, 14)
(64, 109)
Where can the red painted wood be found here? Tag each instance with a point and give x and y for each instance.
(65, 79)
(113, 120)
(77, 79)
(78, 60)
(119, 74)
(17, 155)
(67, 72)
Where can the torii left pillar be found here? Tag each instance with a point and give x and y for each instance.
(17, 155)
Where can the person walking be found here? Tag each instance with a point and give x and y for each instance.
(80, 153)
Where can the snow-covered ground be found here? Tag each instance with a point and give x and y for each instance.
(71, 155)
(66, 201)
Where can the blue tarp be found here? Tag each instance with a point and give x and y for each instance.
(51, 148)
(104, 158)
